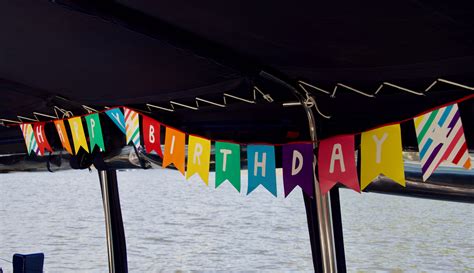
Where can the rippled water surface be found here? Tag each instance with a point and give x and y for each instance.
(176, 225)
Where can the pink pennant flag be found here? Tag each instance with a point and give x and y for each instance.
(336, 158)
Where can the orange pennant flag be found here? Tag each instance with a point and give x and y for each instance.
(174, 149)
(59, 124)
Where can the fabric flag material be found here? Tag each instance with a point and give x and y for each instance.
(381, 153)
(78, 135)
(174, 149)
(441, 137)
(132, 127)
(298, 168)
(151, 136)
(228, 164)
(63, 137)
(337, 163)
(117, 117)
(40, 136)
(199, 156)
(30, 140)
(261, 168)
(95, 132)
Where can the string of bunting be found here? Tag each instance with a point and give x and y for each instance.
(439, 133)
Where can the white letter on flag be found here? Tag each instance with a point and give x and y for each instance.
(261, 164)
(39, 133)
(224, 153)
(197, 153)
(337, 155)
(152, 134)
(378, 143)
(297, 157)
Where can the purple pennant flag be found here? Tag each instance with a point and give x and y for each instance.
(298, 168)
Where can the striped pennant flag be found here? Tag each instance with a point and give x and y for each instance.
(441, 137)
(132, 127)
(30, 140)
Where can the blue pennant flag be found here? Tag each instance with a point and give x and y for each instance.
(117, 117)
(261, 168)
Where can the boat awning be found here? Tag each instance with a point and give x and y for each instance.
(366, 64)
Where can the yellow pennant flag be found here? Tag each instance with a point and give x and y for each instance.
(381, 153)
(78, 136)
(199, 153)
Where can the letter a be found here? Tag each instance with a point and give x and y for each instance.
(337, 155)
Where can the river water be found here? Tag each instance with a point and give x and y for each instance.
(174, 225)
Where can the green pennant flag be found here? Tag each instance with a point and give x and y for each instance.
(95, 132)
(228, 164)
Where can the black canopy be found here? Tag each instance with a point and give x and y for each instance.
(69, 53)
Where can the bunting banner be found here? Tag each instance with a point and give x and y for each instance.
(227, 164)
(439, 133)
(132, 127)
(381, 153)
(30, 140)
(117, 117)
(151, 136)
(297, 167)
(78, 135)
(40, 137)
(95, 132)
(63, 137)
(174, 149)
(440, 136)
(261, 168)
(337, 163)
(199, 156)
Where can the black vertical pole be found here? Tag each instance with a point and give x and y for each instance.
(116, 246)
(337, 230)
(312, 219)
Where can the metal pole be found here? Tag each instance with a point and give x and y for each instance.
(108, 220)
(328, 261)
(323, 207)
(114, 230)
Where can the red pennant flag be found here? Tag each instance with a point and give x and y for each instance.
(336, 158)
(38, 129)
(151, 135)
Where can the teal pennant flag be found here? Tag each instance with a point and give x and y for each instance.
(261, 168)
(228, 164)
(117, 117)
(95, 132)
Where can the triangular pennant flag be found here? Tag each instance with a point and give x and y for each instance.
(24, 130)
(151, 136)
(174, 149)
(440, 137)
(132, 127)
(199, 155)
(228, 164)
(63, 137)
(30, 141)
(40, 136)
(261, 168)
(78, 135)
(381, 153)
(337, 163)
(95, 132)
(298, 168)
(117, 117)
